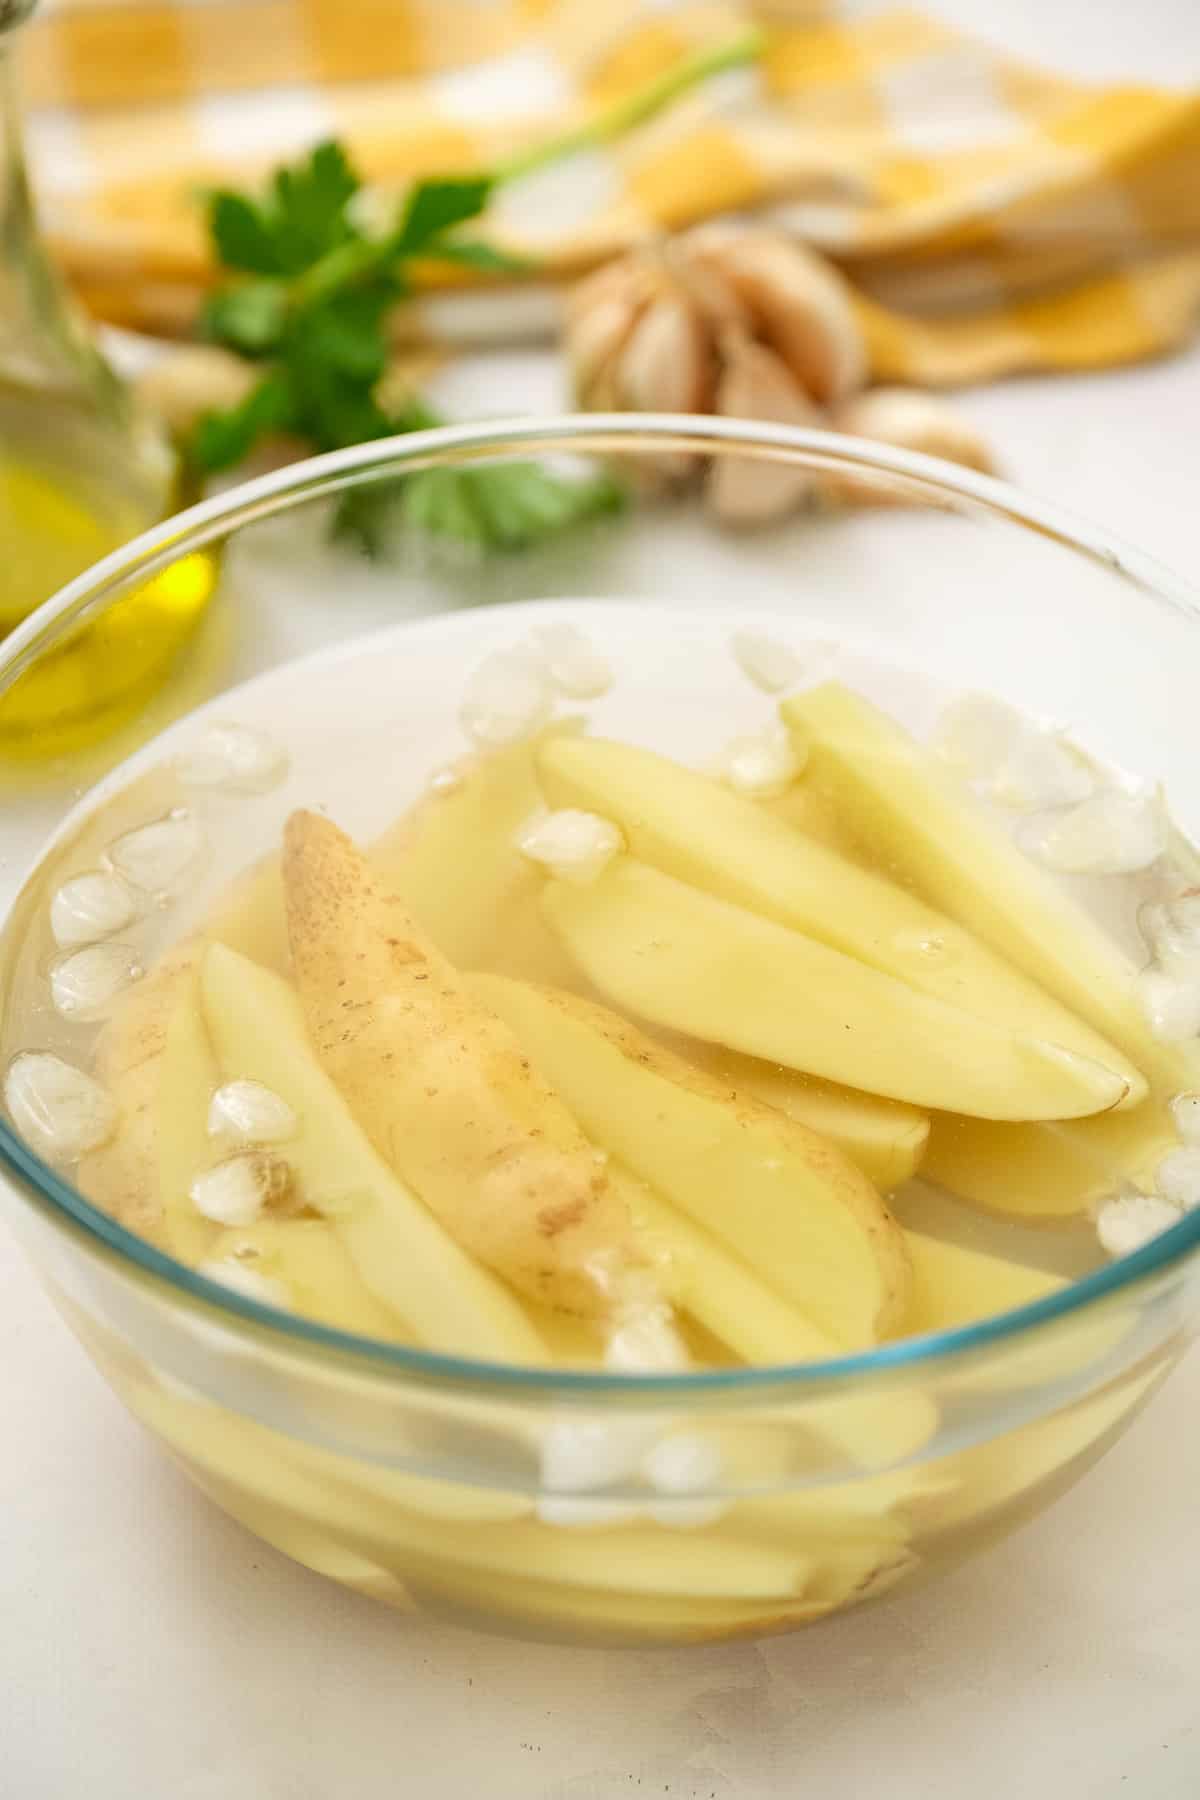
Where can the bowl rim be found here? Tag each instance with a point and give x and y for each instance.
(590, 433)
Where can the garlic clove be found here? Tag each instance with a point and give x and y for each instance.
(799, 305)
(600, 316)
(907, 420)
(666, 366)
(756, 384)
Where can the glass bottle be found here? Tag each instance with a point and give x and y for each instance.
(81, 471)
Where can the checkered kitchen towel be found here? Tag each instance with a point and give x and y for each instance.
(991, 217)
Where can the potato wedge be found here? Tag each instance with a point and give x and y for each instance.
(441, 1086)
(698, 965)
(323, 1282)
(403, 1254)
(1048, 1171)
(953, 1286)
(692, 827)
(885, 1138)
(774, 1193)
(454, 863)
(926, 828)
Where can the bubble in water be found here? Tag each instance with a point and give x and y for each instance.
(159, 857)
(1111, 834)
(89, 907)
(578, 846)
(251, 1284)
(61, 1111)
(572, 662)
(246, 1112)
(234, 757)
(239, 1190)
(1130, 1221)
(446, 780)
(506, 699)
(761, 766)
(929, 945)
(766, 662)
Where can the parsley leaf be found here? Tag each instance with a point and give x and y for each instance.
(309, 301)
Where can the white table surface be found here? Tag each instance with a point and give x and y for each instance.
(149, 1647)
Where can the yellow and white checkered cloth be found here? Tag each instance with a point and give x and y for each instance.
(991, 217)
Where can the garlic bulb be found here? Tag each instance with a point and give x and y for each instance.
(744, 321)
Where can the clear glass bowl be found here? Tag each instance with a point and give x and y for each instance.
(414, 1477)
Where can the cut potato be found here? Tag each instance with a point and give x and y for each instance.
(777, 1195)
(440, 1085)
(406, 1258)
(122, 1176)
(692, 827)
(927, 829)
(187, 1076)
(1049, 1171)
(323, 1283)
(454, 862)
(805, 807)
(952, 1286)
(682, 959)
(884, 1137)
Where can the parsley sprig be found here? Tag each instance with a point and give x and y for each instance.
(306, 297)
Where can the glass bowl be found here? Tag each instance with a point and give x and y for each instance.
(420, 1478)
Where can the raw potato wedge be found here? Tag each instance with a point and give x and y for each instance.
(441, 1086)
(806, 808)
(708, 1282)
(885, 1138)
(187, 1074)
(407, 1259)
(454, 862)
(310, 1256)
(680, 958)
(1050, 1171)
(774, 1193)
(924, 826)
(694, 828)
(123, 1175)
(952, 1286)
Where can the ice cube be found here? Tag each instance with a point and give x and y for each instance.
(1171, 1004)
(582, 1454)
(1185, 1110)
(1172, 931)
(766, 662)
(1113, 833)
(975, 733)
(1042, 770)
(159, 858)
(235, 757)
(60, 1111)
(239, 1190)
(251, 1284)
(1177, 1177)
(572, 662)
(84, 984)
(1129, 1221)
(761, 766)
(506, 699)
(683, 1464)
(564, 1509)
(578, 846)
(246, 1112)
(89, 907)
(645, 1342)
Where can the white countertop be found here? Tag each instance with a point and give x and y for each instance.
(148, 1646)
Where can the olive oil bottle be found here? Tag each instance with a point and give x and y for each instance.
(81, 472)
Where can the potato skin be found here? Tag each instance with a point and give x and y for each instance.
(441, 1086)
